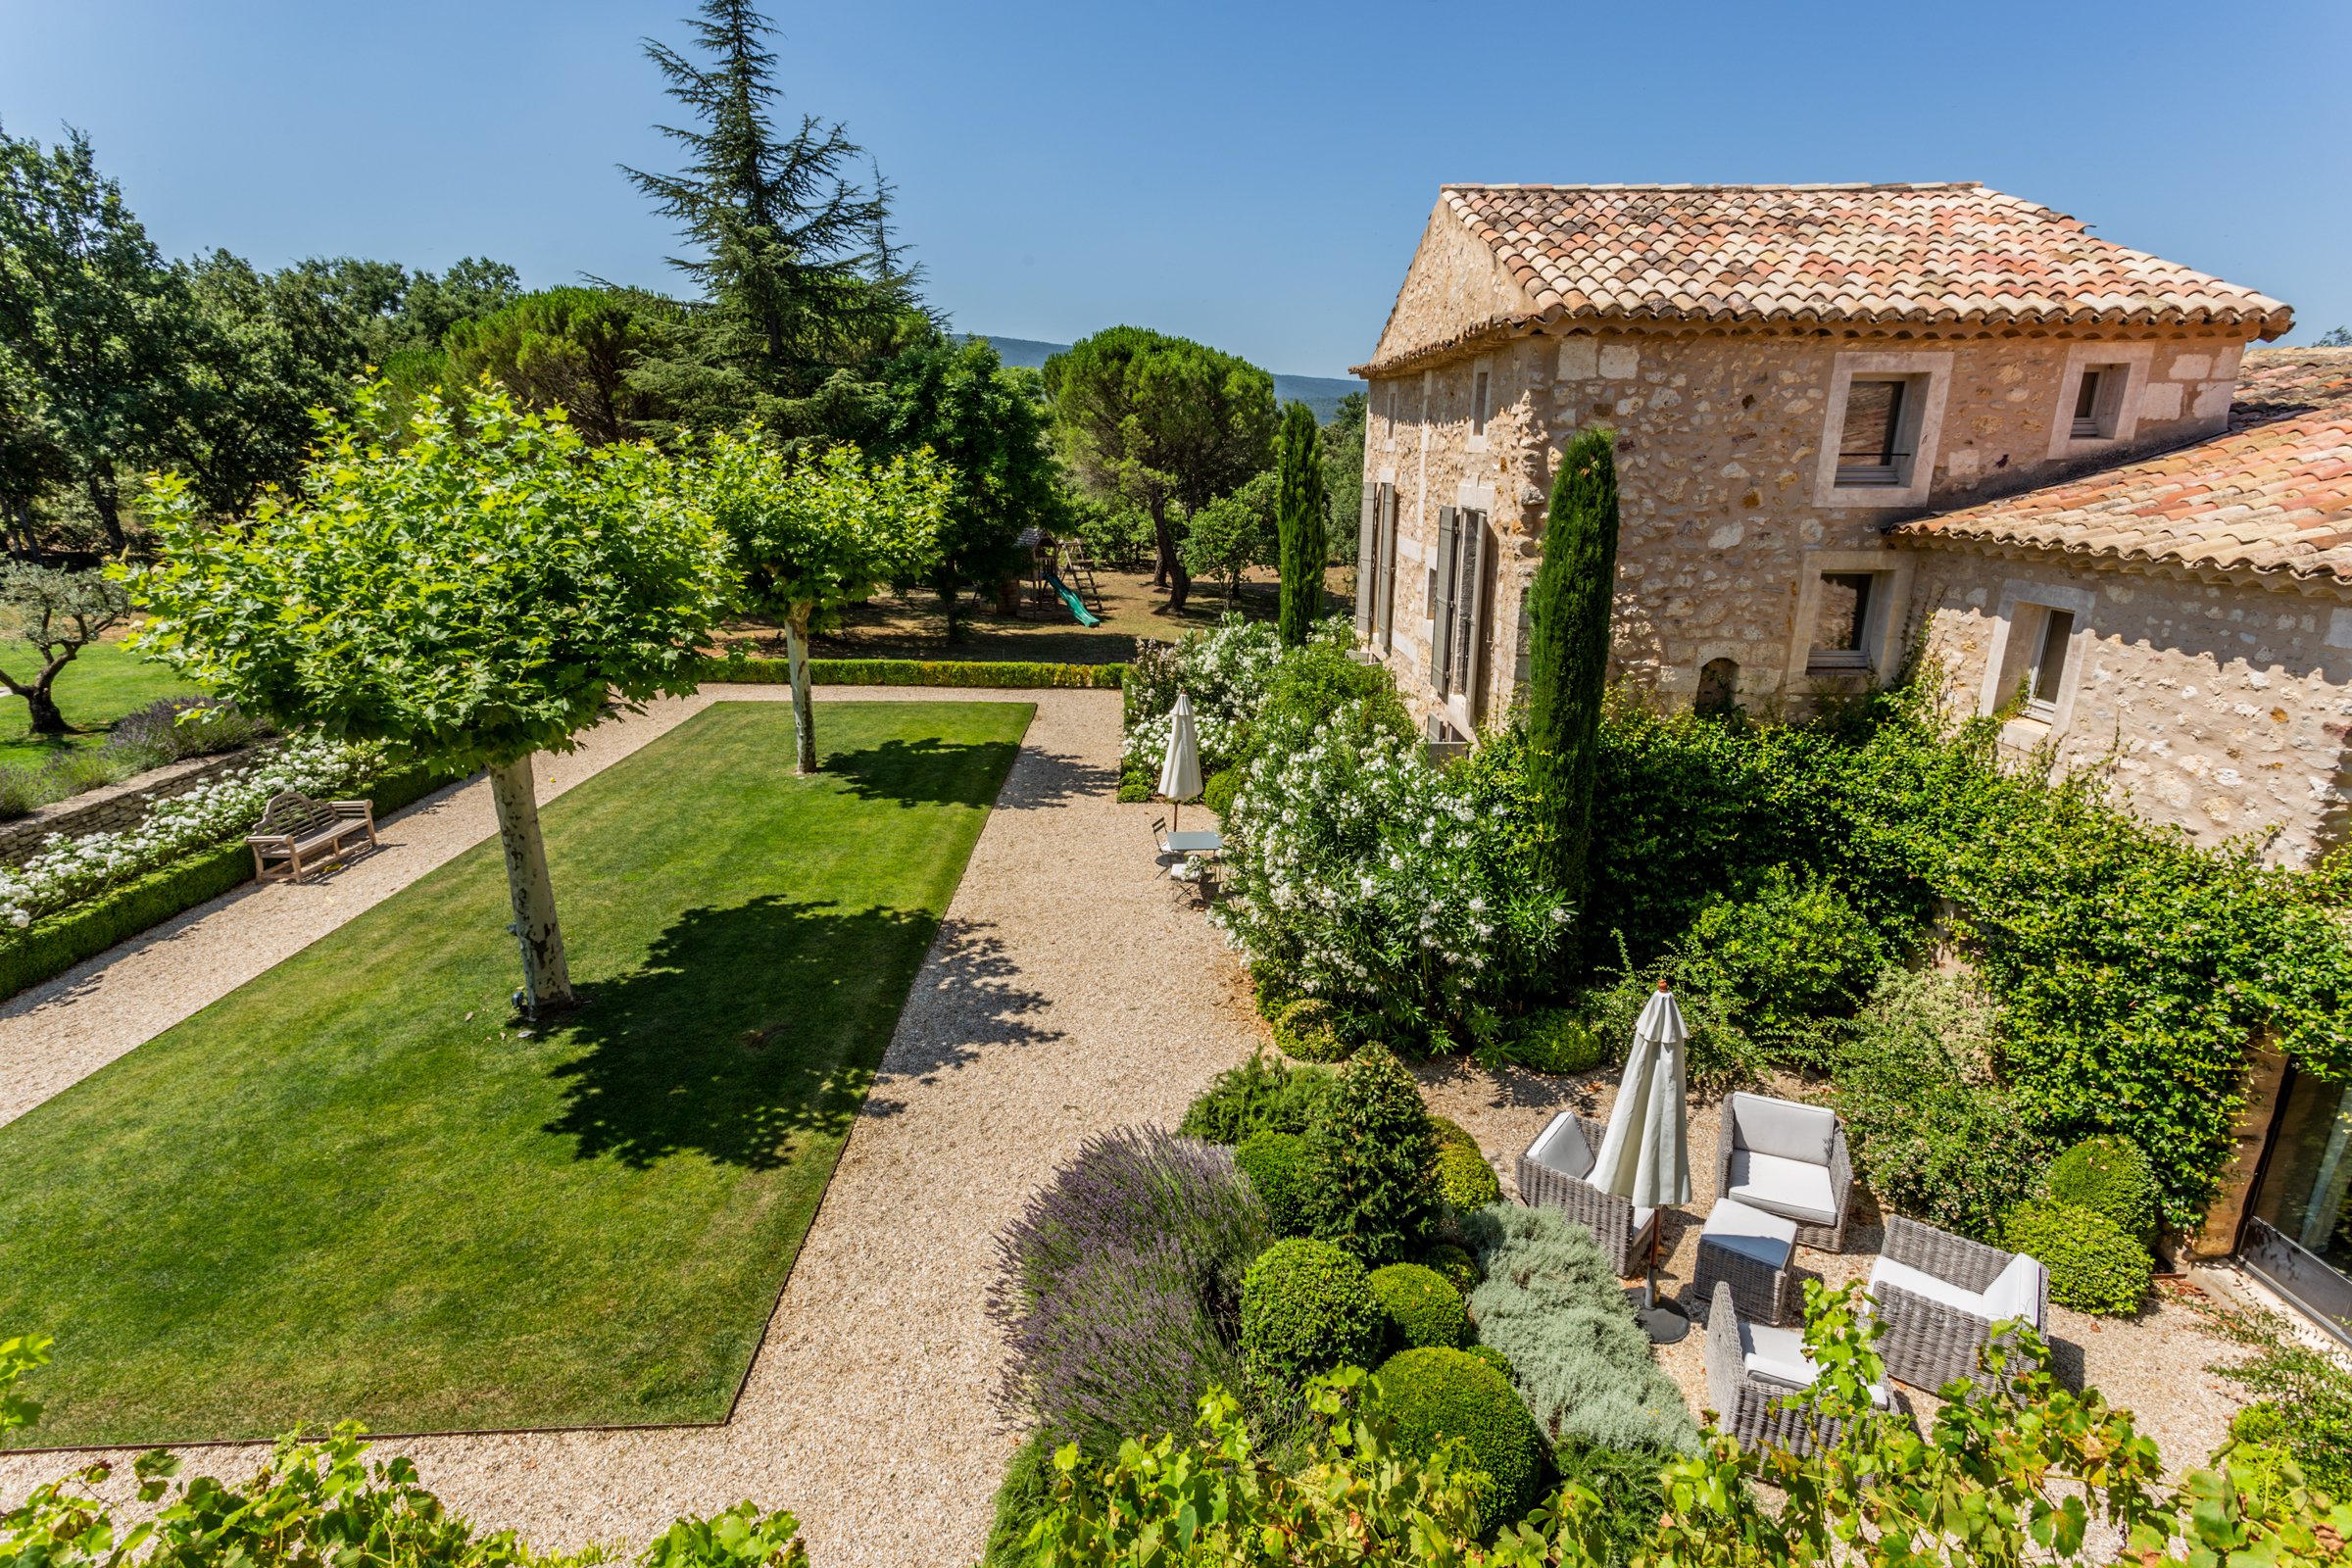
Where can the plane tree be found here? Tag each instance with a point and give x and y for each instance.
(471, 583)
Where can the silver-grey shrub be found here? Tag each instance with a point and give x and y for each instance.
(1551, 1305)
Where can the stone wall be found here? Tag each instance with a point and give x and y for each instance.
(112, 807)
(2222, 708)
(1721, 438)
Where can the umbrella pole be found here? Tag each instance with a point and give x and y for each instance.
(1665, 1322)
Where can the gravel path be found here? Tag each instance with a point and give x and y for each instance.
(1068, 991)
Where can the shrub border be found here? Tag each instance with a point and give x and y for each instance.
(55, 943)
(1010, 673)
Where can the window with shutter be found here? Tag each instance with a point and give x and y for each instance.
(1470, 617)
(1367, 561)
(1388, 567)
(1441, 631)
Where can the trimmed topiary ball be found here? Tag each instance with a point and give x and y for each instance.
(1446, 1130)
(1492, 1358)
(1276, 1165)
(1217, 794)
(1435, 1393)
(1306, 1308)
(1423, 1306)
(1368, 1158)
(1555, 1040)
(1307, 1029)
(2113, 1175)
(1455, 1264)
(2094, 1265)
(1463, 1179)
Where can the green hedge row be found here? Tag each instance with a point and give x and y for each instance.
(913, 672)
(49, 947)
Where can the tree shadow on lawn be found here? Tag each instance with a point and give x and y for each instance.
(928, 771)
(747, 1031)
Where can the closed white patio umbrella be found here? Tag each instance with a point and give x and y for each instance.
(1180, 768)
(1645, 1155)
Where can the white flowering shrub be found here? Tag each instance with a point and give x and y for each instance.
(1226, 673)
(67, 871)
(1371, 879)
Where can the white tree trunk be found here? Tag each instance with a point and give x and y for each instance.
(546, 977)
(804, 708)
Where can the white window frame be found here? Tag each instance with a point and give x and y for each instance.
(2133, 360)
(1883, 632)
(1931, 376)
(2024, 609)
(1479, 407)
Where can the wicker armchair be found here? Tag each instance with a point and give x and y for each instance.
(1939, 1296)
(1753, 1373)
(1788, 1159)
(1553, 1172)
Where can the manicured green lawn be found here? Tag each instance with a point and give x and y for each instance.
(350, 1189)
(102, 684)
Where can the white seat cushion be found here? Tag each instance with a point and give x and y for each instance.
(1561, 1148)
(1787, 1128)
(1902, 1276)
(1751, 1233)
(2017, 1293)
(1788, 1188)
(1777, 1356)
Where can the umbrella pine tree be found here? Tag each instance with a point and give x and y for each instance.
(1568, 649)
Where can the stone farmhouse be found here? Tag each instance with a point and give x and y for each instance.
(1859, 421)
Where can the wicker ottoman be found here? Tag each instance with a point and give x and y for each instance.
(1748, 1250)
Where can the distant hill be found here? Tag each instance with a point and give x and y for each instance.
(1321, 393)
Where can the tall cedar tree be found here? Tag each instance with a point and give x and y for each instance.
(791, 248)
(1162, 423)
(1299, 520)
(1568, 649)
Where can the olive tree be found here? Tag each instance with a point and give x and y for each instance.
(472, 583)
(57, 614)
(813, 534)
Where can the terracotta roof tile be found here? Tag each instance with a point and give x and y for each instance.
(2272, 494)
(1951, 254)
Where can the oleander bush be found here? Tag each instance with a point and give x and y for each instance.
(1552, 1304)
(1931, 1131)
(1453, 1263)
(1010, 673)
(1119, 1288)
(1272, 988)
(1259, 1095)
(1308, 1029)
(1436, 1393)
(1463, 1179)
(1276, 1165)
(1422, 1306)
(1306, 1308)
(1368, 1153)
(2096, 1266)
(2113, 1175)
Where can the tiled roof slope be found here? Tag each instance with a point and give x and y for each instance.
(1953, 254)
(2271, 495)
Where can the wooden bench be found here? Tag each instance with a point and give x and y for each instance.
(298, 834)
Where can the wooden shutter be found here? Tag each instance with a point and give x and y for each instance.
(1441, 631)
(1469, 659)
(1388, 567)
(1367, 563)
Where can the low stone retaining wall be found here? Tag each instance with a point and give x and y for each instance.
(112, 807)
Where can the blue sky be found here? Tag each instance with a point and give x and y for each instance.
(1251, 174)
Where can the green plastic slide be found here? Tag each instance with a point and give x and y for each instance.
(1078, 611)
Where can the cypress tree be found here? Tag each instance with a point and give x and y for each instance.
(1299, 520)
(1568, 649)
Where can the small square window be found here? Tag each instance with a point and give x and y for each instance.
(1841, 625)
(2097, 398)
(1478, 404)
(1873, 449)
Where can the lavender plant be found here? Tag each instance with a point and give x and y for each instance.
(1118, 1288)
